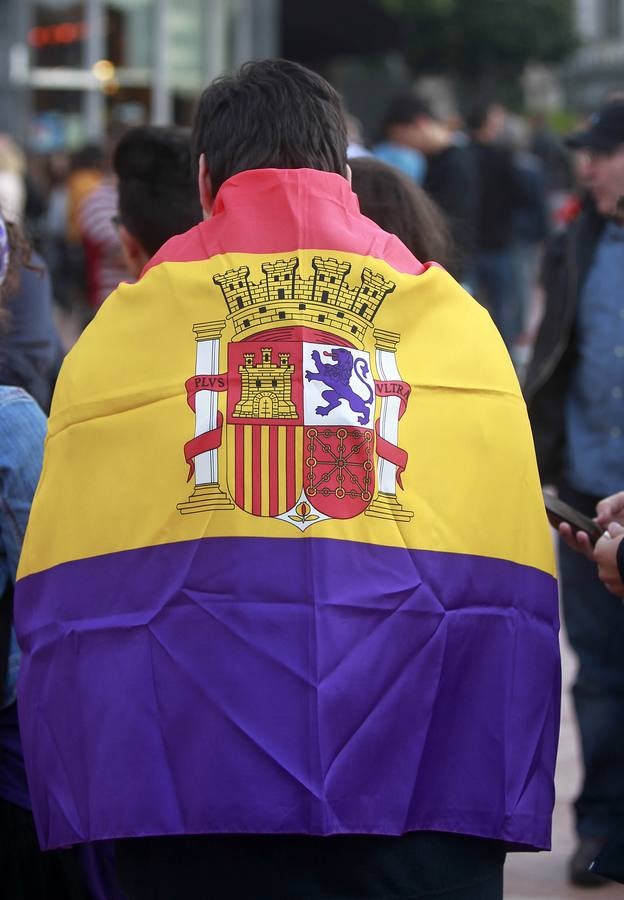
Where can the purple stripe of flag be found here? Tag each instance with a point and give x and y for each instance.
(292, 685)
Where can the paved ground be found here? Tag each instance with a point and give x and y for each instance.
(532, 876)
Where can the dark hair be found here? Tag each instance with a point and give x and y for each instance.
(477, 113)
(400, 206)
(20, 257)
(403, 109)
(89, 156)
(270, 114)
(158, 194)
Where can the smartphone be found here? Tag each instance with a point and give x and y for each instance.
(558, 512)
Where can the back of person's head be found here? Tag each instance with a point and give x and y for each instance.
(270, 114)
(89, 156)
(156, 185)
(404, 109)
(401, 207)
(484, 118)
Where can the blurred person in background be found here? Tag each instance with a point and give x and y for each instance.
(399, 206)
(103, 253)
(30, 347)
(54, 244)
(608, 555)
(575, 395)
(36, 200)
(395, 146)
(86, 174)
(157, 191)
(547, 146)
(449, 179)
(499, 193)
(356, 145)
(25, 872)
(530, 228)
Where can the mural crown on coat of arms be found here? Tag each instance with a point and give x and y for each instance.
(323, 299)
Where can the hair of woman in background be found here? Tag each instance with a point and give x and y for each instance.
(31, 352)
(15, 252)
(401, 207)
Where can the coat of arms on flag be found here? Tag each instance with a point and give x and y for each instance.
(294, 418)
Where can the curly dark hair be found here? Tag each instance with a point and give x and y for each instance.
(19, 255)
(398, 205)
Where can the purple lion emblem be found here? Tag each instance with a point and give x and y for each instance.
(337, 377)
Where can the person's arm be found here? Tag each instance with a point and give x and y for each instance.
(22, 433)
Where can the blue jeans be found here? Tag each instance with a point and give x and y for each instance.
(493, 281)
(594, 621)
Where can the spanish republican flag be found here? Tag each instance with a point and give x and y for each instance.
(288, 567)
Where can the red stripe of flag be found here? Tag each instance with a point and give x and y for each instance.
(239, 464)
(256, 470)
(291, 463)
(273, 471)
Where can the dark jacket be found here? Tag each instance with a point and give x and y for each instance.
(530, 221)
(30, 348)
(499, 192)
(450, 182)
(567, 260)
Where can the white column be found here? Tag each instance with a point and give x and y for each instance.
(208, 494)
(386, 505)
(389, 419)
(206, 404)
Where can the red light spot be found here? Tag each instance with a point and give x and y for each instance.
(63, 33)
(38, 37)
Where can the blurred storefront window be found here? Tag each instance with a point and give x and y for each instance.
(75, 70)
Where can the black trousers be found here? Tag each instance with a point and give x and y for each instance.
(427, 865)
(28, 874)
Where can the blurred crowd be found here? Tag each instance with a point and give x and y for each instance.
(502, 182)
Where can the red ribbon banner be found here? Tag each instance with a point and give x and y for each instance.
(385, 449)
(209, 440)
(204, 383)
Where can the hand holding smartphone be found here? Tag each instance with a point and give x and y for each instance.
(558, 512)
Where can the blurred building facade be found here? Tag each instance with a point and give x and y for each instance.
(70, 71)
(596, 69)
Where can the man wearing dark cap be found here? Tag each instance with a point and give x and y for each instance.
(575, 394)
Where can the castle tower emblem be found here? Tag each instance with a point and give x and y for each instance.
(266, 388)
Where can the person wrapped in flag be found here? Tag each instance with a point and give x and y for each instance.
(287, 593)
